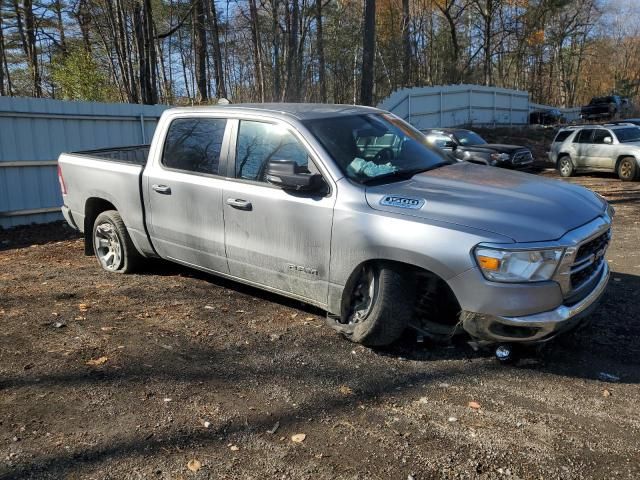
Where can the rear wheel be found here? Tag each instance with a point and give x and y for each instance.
(565, 166)
(379, 308)
(112, 245)
(627, 169)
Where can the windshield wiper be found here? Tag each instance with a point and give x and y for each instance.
(401, 174)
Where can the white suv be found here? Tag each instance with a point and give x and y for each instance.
(602, 148)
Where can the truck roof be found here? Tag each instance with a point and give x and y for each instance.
(301, 111)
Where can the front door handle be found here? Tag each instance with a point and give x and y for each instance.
(162, 189)
(239, 203)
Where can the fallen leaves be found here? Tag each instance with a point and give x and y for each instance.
(194, 465)
(298, 437)
(97, 361)
(345, 390)
(83, 307)
(606, 393)
(474, 405)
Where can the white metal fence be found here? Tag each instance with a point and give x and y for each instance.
(33, 132)
(455, 105)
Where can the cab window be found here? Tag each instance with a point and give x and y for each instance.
(260, 142)
(194, 145)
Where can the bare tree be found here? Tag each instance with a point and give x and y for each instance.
(368, 53)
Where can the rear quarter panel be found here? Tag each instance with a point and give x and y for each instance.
(118, 183)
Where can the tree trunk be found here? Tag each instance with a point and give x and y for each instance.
(368, 53)
(200, 50)
(293, 69)
(277, 82)
(255, 41)
(221, 89)
(406, 44)
(83, 16)
(321, 61)
(2, 56)
(57, 6)
(27, 33)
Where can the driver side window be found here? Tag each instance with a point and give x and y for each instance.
(260, 142)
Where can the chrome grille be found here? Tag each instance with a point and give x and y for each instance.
(588, 261)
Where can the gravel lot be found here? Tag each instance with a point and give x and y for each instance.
(175, 374)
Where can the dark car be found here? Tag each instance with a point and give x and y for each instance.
(634, 121)
(602, 107)
(551, 116)
(467, 145)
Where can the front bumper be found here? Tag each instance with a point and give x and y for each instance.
(535, 328)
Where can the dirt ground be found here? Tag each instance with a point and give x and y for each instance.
(174, 374)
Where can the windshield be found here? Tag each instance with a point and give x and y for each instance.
(467, 137)
(626, 135)
(375, 145)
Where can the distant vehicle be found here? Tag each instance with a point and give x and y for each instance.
(551, 116)
(467, 145)
(347, 208)
(634, 121)
(601, 148)
(602, 107)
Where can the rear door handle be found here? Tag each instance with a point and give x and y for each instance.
(162, 189)
(239, 203)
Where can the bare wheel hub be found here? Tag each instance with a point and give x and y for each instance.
(108, 248)
(363, 297)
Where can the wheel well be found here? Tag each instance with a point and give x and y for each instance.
(436, 306)
(93, 208)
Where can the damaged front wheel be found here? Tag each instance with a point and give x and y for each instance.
(379, 306)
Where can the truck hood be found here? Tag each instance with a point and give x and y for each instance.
(494, 147)
(520, 206)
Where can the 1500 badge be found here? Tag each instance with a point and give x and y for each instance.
(402, 202)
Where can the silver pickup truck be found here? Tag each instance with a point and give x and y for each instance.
(349, 209)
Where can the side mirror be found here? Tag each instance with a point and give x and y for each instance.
(450, 144)
(608, 140)
(288, 175)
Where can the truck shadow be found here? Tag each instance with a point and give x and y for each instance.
(610, 342)
(26, 236)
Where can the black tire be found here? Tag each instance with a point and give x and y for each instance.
(389, 312)
(627, 169)
(110, 227)
(565, 166)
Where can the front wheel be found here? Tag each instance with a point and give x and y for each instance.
(565, 166)
(112, 245)
(379, 308)
(627, 169)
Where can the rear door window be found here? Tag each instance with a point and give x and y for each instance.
(562, 136)
(194, 145)
(583, 136)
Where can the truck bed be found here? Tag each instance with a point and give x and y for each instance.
(135, 154)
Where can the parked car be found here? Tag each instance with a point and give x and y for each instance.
(633, 121)
(467, 145)
(551, 116)
(349, 209)
(602, 107)
(603, 148)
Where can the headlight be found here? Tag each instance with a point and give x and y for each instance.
(518, 265)
(500, 157)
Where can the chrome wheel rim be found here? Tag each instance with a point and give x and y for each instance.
(625, 169)
(565, 167)
(364, 295)
(108, 248)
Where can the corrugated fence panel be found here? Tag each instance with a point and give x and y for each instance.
(455, 105)
(33, 133)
